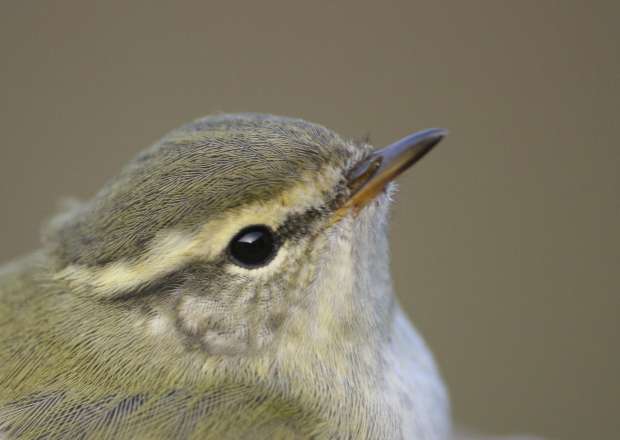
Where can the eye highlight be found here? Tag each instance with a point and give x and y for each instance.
(253, 247)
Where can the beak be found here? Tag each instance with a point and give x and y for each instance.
(369, 177)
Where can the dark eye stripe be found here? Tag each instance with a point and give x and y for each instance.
(296, 226)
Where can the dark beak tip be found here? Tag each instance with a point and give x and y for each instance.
(431, 136)
(384, 165)
(413, 147)
(435, 136)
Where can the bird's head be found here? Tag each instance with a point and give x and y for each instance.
(237, 233)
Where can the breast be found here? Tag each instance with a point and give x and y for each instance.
(414, 388)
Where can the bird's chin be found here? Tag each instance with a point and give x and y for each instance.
(389, 191)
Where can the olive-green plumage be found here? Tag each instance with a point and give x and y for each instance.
(133, 321)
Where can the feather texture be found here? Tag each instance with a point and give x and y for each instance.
(132, 322)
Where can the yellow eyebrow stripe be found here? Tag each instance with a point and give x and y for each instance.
(171, 250)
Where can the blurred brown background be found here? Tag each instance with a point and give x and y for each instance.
(505, 240)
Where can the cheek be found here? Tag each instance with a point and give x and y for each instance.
(236, 313)
(213, 317)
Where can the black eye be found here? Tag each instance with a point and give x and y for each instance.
(253, 246)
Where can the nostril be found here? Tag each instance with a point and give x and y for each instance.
(362, 173)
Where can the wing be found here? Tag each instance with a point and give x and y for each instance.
(63, 415)
(229, 413)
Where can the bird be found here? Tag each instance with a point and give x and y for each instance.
(231, 282)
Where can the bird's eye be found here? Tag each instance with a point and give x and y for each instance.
(253, 246)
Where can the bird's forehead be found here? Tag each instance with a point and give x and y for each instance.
(246, 149)
(227, 161)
